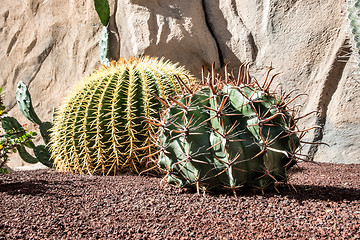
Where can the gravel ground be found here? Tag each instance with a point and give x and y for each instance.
(45, 204)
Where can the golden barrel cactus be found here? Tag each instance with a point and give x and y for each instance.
(100, 128)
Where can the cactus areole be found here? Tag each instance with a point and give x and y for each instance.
(100, 128)
(227, 134)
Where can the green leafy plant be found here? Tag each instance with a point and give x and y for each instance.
(99, 129)
(228, 134)
(13, 137)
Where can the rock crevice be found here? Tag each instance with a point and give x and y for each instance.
(208, 25)
(330, 85)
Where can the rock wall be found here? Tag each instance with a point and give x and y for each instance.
(50, 44)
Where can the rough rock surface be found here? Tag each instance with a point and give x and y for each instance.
(51, 44)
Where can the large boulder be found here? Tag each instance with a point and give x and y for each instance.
(51, 44)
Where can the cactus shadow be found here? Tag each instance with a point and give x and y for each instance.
(31, 187)
(317, 192)
(299, 193)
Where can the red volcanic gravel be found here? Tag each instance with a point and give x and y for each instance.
(45, 204)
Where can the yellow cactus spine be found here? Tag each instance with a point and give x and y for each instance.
(100, 127)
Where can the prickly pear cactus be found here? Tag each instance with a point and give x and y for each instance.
(353, 10)
(227, 134)
(100, 127)
(24, 102)
(23, 99)
(103, 10)
(104, 47)
(41, 152)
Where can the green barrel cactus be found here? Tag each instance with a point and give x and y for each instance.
(227, 134)
(100, 127)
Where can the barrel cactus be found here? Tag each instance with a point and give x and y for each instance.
(100, 127)
(227, 134)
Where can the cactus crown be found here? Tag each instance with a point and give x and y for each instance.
(227, 134)
(99, 129)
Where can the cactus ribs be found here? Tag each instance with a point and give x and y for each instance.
(228, 133)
